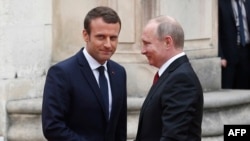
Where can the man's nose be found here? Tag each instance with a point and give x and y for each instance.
(107, 42)
(143, 50)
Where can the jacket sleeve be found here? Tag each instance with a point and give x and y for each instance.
(121, 132)
(55, 107)
(182, 104)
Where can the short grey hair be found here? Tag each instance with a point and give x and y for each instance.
(169, 26)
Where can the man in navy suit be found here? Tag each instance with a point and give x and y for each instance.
(173, 108)
(74, 106)
(234, 55)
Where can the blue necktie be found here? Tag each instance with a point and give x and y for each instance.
(104, 88)
(241, 30)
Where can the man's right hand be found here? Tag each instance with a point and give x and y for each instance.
(223, 63)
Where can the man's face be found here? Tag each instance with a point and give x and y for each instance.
(152, 47)
(102, 41)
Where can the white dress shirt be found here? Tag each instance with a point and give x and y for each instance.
(166, 64)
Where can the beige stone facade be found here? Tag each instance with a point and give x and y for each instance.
(37, 33)
(25, 52)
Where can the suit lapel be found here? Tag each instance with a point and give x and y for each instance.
(114, 88)
(89, 76)
(163, 78)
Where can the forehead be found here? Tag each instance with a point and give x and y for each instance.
(149, 31)
(98, 23)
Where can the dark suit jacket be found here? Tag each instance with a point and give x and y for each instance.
(173, 108)
(228, 31)
(73, 109)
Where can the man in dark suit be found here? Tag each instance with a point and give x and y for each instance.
(75, 107)
(173, 108)
(234, 46)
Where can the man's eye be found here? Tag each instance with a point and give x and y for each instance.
(100, 37)
(113, 38)
(145, 43)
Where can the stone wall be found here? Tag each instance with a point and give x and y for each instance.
(198, 18)
(30, 43)
(25, 51)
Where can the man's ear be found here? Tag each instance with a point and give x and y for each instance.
(85, 35)
(167, 41)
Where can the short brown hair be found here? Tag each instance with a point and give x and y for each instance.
(107, 14)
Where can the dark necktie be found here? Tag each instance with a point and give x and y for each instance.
(104, 88)
(156, 77)
(241, 27)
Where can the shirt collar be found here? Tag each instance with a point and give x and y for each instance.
(167, 64)
(92, 62)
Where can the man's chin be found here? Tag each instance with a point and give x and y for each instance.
(105, 58)
(150, 63)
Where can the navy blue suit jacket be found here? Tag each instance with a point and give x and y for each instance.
(173, 108)
(228, 31)
(73, 108)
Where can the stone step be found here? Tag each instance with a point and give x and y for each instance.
(220, 108)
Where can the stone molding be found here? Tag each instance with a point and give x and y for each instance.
(220, 108)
